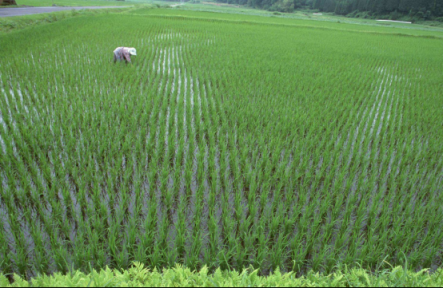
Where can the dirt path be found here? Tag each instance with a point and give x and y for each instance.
(9, 12)
(221, 4)
(175, 5)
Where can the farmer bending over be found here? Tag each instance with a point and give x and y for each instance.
(124, 53)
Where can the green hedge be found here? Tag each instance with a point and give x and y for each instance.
(180, 276)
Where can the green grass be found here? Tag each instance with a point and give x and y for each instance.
(9, 24)
(308, 15)
(38, 3)
(228, 143)
(327, 21)
(139, 276)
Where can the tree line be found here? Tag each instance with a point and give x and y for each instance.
(413, 9)
(7, 2)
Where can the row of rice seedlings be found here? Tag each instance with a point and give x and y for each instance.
(317, 154)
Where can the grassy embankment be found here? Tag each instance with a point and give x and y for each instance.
(138, 276)
(46, 3)
(9, 24)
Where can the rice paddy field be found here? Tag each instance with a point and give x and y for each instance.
(227, 143)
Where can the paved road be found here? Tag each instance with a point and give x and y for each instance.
(9, 12)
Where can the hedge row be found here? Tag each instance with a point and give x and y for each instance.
(180, 276)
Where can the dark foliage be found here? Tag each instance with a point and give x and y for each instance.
(393, 9)
(8, 2)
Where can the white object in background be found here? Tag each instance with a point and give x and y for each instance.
(404, 22)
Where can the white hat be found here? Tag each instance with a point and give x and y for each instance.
(132, 51)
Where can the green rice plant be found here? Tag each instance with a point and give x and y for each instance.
(225, 143)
